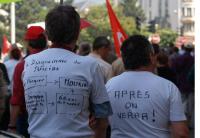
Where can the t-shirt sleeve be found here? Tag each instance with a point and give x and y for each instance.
(99, 97)
(18, 89)
(176, 105)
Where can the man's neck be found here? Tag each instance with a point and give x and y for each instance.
(96, 53)
(69, 47)
(144, 68)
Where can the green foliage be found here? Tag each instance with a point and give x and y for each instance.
(30, 11)
(27, 11)
(133, 9)
(144, 31)
(8, 1)
(5, 23)
(99, 17)
(167, 37)
(69, 2)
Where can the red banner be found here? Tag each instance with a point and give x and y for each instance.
(85, 24)
(118, 33)
(5, 47)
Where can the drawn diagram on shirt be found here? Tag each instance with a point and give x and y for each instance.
(70, 104)
(67, 100)
(62, 82)
(131, 107)
(35, 81)
(64, 103)
(36, 102)
(69, 82)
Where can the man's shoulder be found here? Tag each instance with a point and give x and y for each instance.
(104, 64)
(99, 60)
(20, 64)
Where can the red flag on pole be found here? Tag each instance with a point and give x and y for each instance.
(5, 47)
(118, 33)
(85, 23)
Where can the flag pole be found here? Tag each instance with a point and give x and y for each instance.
(12, 17)
(61, 2)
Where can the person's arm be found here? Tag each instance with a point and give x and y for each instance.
(14, 113)
(178, 119)
(179, 129)
(17, 97)
(100, 128)
(100, 105)
(5, 73)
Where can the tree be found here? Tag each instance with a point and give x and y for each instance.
(27, 12)
(5, 22)
(30, 11)
(133, 9)
(69, 2)
(99, 17)
(167, 37)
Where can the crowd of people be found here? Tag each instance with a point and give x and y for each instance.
(69, 90)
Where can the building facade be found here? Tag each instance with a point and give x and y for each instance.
(179, 15)
(188, 17)
(164, 12)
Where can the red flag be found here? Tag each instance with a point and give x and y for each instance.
(118, 33)
(5, 47)
(85, 23)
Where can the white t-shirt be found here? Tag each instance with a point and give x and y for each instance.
(10, 66)
(143, 104)
(58, 85)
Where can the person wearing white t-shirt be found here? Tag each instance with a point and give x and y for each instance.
(15, 56)
(62, 89)
(100, 50)
(144, 104)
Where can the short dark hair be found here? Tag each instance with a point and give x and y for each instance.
(39, 43)
(84, 49)
(62, 24)
(100, 42)
(136, 52)
(15, 53)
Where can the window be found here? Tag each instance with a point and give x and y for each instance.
(189, 12)
(183, 12)
(189, 27)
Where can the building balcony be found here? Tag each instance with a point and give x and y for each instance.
(189, 34)
(187, 19)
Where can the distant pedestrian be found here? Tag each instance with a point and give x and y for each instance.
(37, 42)
(3, 91)
(100, 50)
(163, 69)
(117, 67)
(84, 49)
(14, 57)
